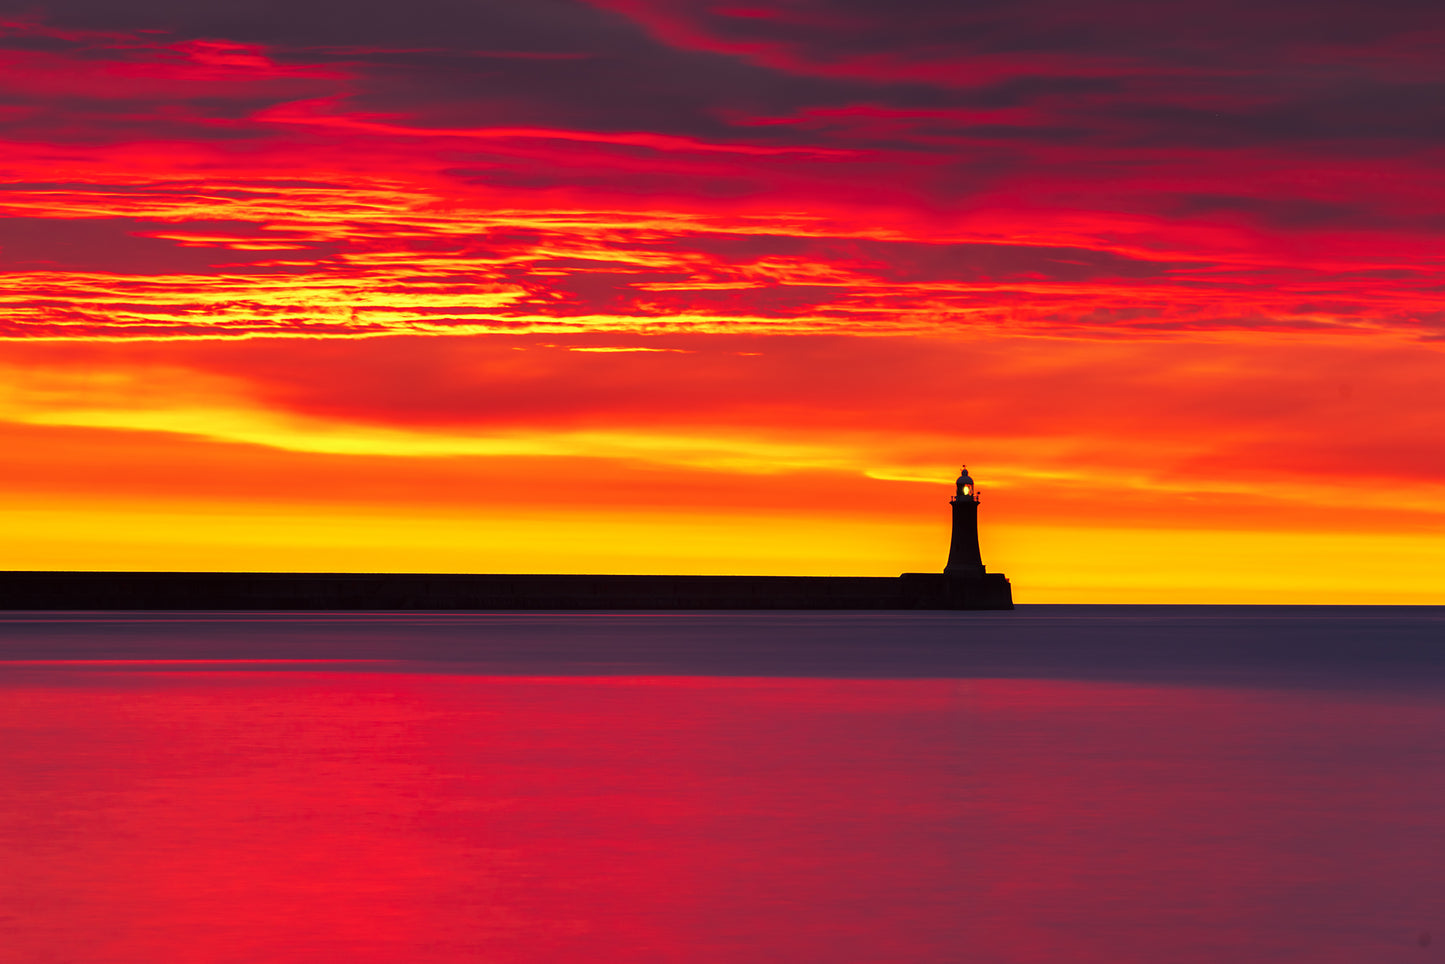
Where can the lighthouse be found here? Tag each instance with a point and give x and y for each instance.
(963, 555)
(963, 583)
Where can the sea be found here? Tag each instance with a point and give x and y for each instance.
(1085, 784)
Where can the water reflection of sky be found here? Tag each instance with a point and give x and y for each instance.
(288, 812)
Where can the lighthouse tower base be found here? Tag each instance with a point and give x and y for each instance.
(941, 590)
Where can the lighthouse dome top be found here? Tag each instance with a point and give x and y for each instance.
(964, 477)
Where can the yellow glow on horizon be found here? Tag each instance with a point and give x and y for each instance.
(207, 538)
(1060, 564)
(1045, 564)
(462, 463)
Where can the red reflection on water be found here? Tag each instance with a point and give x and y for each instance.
(293, 816)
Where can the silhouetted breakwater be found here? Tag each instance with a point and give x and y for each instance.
(401, 591)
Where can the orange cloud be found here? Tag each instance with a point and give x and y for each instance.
(1240, 442)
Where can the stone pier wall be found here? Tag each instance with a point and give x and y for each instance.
(420, 591)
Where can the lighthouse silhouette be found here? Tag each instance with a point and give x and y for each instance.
(963, 583)
(964, 558)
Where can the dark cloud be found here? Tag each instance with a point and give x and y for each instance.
(120, 245)
(1117, 75)
(263, 188)
(79, 121)
(1292, 213)
(545, 26)
(911, 262)
(833, 33)
(1309, 214)
(542, 176)
(1363, 113)
(818, 32)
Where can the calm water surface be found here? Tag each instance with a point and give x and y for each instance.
(1082, 784)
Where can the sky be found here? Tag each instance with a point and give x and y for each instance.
(676, 287)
